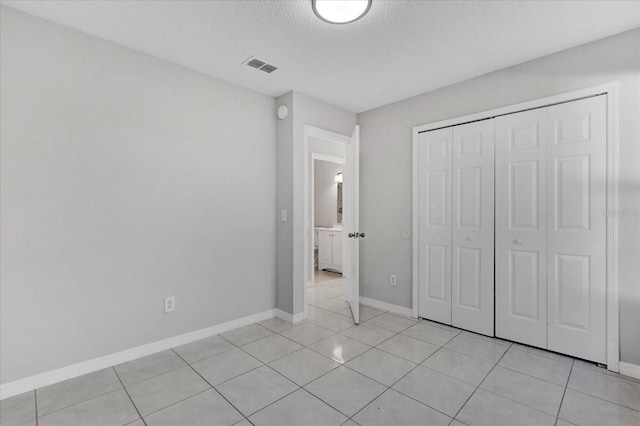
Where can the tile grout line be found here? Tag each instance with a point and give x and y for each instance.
(311, 323)
(481, 382)
(529, 375)
(201, 359)
(394, 383)
(277, 372)
(533, 408)
(564, 392)
(280, 357)
(212, 387)
(516, 402)
(605, 400)
(495, 365)
(473, 356)
(370, 347)
(484, 338)
(177, 402)
(325, 402)
(511, 346)
(530, 352)
(80, 402)
(322, 375)
(608, 373)
(543, 380)
(148, 378)
(35, 403)
(409, 337)
(275, 359)
(418, 365)
(298, 387)
(129, 396)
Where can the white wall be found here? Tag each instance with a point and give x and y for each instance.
(325, 193)
(284, 200)
(385, 163)
(124, 179)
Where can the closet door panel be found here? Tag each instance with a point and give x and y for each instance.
(435, 225)
(576, 259)
(521, 232)
(473, 230)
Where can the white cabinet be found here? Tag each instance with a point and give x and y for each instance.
(330, 250)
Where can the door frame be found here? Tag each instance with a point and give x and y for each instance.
(612, 196)
(309, 156)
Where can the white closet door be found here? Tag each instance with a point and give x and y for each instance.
(473, 227)
(435, 225)
(521, 231)
(576, 239)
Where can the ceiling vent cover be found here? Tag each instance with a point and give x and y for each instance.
(268, 68)
(256, 63)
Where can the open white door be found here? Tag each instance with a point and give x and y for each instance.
(351, 221)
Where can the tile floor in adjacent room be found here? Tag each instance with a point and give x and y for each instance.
(389, 370)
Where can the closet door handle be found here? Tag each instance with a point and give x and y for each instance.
(471, 238)
(518, 241)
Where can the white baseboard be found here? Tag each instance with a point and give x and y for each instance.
(286, 316)
(407, 312)
(54, 376)
(298, 317)
(631, 370)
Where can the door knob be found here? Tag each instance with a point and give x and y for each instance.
(362, 235)
(518, 241)
(471, 238)
(352, 235)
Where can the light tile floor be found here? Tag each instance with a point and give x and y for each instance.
(387, 371)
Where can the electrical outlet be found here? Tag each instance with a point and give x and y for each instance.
(169, 304)
(392, 280)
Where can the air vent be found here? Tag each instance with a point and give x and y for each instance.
(268, 68)
(253, 62)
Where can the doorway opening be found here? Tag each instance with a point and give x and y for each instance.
(326, 289)
(336, 237)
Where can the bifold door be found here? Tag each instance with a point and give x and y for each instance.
(576, 237)
(551, 228)
(456, 226)
(472, 237)
(435, 224)
(549, 235)
(521, 227)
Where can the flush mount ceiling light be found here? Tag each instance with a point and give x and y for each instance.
(340, 11)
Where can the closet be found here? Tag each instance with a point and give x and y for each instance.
(512, 227)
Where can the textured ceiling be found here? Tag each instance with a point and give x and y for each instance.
(398, 50)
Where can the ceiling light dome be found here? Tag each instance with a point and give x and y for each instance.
(340, 11)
